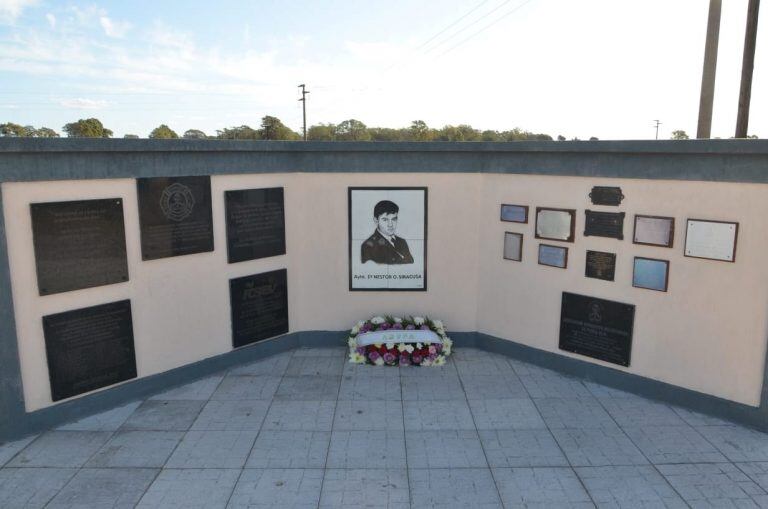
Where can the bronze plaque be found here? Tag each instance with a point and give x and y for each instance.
(259, 307)
(78, 244)
(175, 216)
(597, 328)
(600, 265)
(89, 348)
(604, 224)
(606, 196)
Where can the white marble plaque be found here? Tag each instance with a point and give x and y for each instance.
(554, 224)
(655, 231)
(715, 240)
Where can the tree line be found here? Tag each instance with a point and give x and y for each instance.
(272, 128)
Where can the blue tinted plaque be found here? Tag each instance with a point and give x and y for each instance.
(651, 274)
(554, 256)
(514, 213)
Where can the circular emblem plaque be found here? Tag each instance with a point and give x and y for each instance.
(177, 202)
(595, 313)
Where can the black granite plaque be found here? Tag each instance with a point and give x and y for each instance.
(604, 224)
(606, 196)
(597, 328)
(89, 348)
(600, 265)
(259, 306)
(78, 244)
(175, 216)
(255, 224)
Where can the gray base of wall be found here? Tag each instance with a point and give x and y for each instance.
(41, 420)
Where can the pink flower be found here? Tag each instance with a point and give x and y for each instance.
(432, 349)
(389, 358)
(373, 355)
(416, 358)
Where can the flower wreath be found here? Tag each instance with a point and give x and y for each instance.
(406, 341)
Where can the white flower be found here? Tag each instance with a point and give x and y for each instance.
(407, 348)
(398, 320)
(377, 320)
(426, 363)
(390, 346)
(418, 320)
(401, 347)
(419, 345)
(377, 345)
(352, 342)
(356, 358)
(447, 346)
(355, 330)
(438, 324)
(379, 361)
(439, 361)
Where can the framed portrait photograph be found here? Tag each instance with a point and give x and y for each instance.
(712, 240)
(513, 246)
(553, 256)
(387, 238)
(651, 274)
(514, 213)
(555, 224)
(654, 230)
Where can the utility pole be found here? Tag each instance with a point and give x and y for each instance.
(657, 128)
(710, 66)
(303, 100)
(747, 65)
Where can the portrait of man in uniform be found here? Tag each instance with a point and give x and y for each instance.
(387, 238)
(384, 246)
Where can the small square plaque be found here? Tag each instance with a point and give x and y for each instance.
(255, 224)
(513, 246)
(553, 256)
(654, 230)
(78, 244)
(651, 274)
(555, 224)
(89, 348)
(600, 265)
(175, 216)
(604, 224)
(259, 306)
(514, 213)
(713, 240)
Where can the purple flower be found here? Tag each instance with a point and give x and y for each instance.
(416, 358)
(405, 360)
(424, 327)
(389, 358)
(360, 350)
(373, 356)
(410, 327)
(438, 348)
(432, 356)
(397, 326)
(384, 326)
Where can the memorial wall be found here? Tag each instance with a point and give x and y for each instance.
(117, 279)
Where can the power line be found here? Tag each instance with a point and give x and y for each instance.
(452, 24)
(486, 27)
(478, 20)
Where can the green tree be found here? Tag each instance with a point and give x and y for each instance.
(419, 131)
(386, 134)
(560, 137)
(243, 132)
(195, 134)
(490, 135)
(321, 132)
(87, 128)
(679, 135)
(272, 128)
(163, 132)
(594, 138)
(352, 130)
(45, 132)
(13, 130)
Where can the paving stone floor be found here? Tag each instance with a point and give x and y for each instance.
(306, 429)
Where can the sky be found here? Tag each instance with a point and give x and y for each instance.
(604, 68)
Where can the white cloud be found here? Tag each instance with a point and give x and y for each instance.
(10, 10)
(51, 19)
(114, 29)
(84, 104)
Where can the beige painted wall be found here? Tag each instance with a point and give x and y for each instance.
(708, 333)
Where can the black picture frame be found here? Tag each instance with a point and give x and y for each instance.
(380, 275)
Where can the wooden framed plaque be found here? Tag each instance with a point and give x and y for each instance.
(654, 230)
(651, 274)
(514, 213)
(553, 256)
(604, 224)
(513, 246)
(712, 240)
(555, 224)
